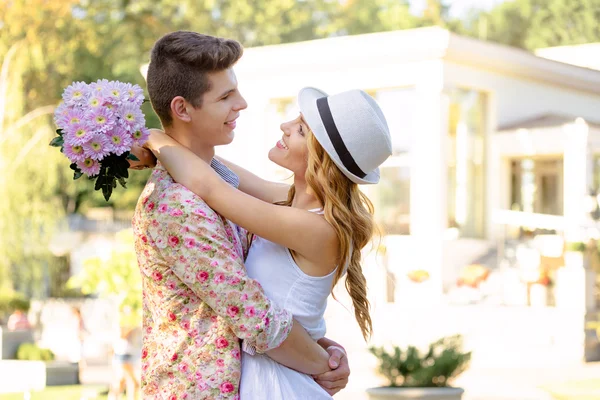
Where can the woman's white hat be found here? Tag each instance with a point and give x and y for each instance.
(351, 128)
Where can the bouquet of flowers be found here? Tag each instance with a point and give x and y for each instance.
(98, 124)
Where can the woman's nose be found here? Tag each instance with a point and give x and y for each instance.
(285, 128)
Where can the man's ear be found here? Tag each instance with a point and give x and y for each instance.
(179, 109)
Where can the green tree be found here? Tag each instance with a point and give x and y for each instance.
(532, 24)
(360, 16)
(116, 276)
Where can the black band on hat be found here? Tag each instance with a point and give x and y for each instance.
(336, 138)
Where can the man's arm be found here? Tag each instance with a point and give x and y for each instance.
(255, 186)
(192, 240)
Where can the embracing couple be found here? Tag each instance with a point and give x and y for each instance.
(237, 270)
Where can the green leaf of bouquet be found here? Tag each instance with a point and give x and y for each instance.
(105, 181)
(57, 142)
(59, 132)
(121, 167)
(122, 182)
(132, 157)
(77, 175)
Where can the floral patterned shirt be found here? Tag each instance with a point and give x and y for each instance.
(198, 301)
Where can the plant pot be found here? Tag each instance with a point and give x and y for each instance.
(389, 393)
(11, 340)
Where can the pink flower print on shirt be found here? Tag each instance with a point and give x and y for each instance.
(220, 363)
(219, 278)
(235, 353)
(206, 247)
(233, 311)
(176, 212)
(161, 243)
(200, 212)
(163, 208)
(157, 276)
(222, 343)
(250, 312)
(150, 206)
(244, 297)
(171, 285)
(185, 324)
(173, 241)
(182, 368)
(202, 276)
(190, 242)
(172, 316)
(227, 387)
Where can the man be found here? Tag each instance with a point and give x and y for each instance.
(197, 299)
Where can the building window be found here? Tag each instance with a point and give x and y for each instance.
(537, 185)
(465, 158)
(391, 196)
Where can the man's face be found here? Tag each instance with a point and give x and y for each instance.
(215, 121)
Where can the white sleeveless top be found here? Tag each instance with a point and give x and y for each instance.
(284, 283)
(305, 296)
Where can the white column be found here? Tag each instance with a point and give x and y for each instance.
(429, 181)
(575, 179)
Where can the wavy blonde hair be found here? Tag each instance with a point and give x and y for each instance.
(350, 213)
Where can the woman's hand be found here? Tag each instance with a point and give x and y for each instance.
(146, 153)
(145, 157)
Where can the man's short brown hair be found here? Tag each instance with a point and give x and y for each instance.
(179, 64)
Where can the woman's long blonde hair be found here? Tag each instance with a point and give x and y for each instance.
(350, 213)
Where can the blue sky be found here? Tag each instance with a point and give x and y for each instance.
(458, 7)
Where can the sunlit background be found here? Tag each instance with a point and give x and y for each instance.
(489, 206)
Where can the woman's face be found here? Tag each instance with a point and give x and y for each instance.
(291, 151)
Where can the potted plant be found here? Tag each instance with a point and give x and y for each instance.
(412, 374)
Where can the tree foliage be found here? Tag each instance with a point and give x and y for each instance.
(533, 24)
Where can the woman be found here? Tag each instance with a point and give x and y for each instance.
(315, 233)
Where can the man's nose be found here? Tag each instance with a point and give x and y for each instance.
(241, 104)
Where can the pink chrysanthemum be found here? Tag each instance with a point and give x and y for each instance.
(60, 115)
(76, 93)
(131, 117)
(97, 148)
(101, 119)
(95, 100)
(99, 87)
(74, 116)
(116, 92)
(140, 136)
(78, 134)
(74, 152)
(134, 94)
(120, 141)
(89, 167)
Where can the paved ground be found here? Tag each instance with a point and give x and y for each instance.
(482, 384)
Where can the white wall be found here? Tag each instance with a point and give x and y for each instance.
(518, 99)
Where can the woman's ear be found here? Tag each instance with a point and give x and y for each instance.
(179, 109)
